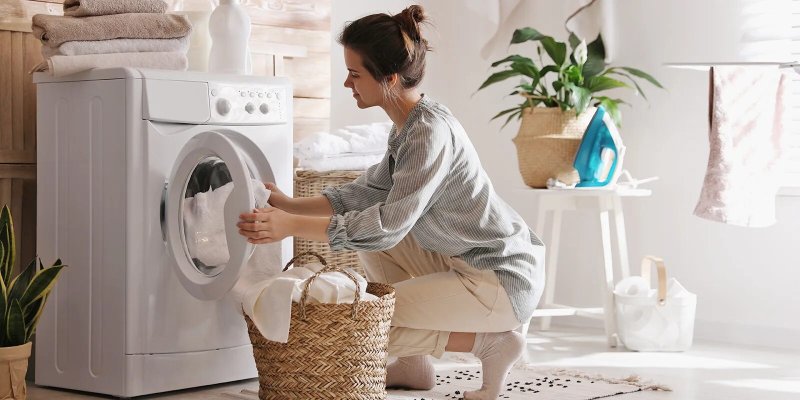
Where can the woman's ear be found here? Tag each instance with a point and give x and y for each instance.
(392, 80)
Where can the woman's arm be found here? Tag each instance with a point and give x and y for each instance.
(272, 224)
(317, 206)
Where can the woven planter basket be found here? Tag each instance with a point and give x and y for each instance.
(335, 351)
(309, 183)
(547, 142)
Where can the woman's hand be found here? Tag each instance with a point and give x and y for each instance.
(266, 225)
(278, 198)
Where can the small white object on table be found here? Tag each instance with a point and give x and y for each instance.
(603, 201)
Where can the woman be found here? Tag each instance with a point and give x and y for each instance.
(466, 269)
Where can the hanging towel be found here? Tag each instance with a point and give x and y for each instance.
(83, 8)
(53, 30)
(748, 111)
(79, 48)
(66, 65)
(269, 303)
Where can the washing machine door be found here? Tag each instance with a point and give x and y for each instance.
(209, 187)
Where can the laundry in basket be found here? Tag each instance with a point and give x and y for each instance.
(654, 319)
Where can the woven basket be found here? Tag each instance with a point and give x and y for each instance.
(335, 351)
(547, 142)
(308, 184)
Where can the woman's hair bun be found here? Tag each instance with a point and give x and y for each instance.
(410, 18)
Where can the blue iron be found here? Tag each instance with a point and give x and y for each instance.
(599, 157)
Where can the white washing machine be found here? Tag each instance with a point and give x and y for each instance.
(118, 151)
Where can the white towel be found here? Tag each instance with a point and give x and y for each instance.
(346, 162)
(204, 227)
(79, 48)
(58, 66)
(363, 139)
(269, 302)
(748, 115)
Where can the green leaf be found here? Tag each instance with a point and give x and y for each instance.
(600, 83)
(574, 41)
(31, 315)
(556, 50)
(628, 77)
(643, 75)
(527, 69)
(21, 282)
(7, 239)
(596, 61)
(15, 325)
(504, 112)
(499, 76)
(512, 58)
(511, 116)
(41, 285)
(597, 48)
(548, 69)
(526, 34)
(579, 97)
(3, 304)
(612, 108)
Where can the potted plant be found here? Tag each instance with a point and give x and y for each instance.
(559, 99)
(22, 299)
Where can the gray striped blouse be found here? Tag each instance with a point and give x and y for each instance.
(431, 184)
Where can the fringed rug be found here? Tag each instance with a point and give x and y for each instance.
(524, 382)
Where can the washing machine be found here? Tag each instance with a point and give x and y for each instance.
(119, 151)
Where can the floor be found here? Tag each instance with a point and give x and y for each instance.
(708, 371)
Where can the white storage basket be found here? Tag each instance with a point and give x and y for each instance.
(659, 319)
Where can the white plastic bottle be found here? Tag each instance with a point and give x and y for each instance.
(229, 26)
(198, 12)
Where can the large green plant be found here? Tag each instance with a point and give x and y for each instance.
(578, 78)
(22, 298)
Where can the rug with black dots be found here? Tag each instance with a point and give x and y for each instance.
(523, 382)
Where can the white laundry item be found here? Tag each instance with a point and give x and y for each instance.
(203, 218)
(359, 139)
(498, 13)
(268, 303)
(347, 162)
(749, 117)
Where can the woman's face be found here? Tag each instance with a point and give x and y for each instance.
(366, 90)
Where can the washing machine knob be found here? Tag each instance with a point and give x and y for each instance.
(223, 106)
(250, 108)
(264, 108)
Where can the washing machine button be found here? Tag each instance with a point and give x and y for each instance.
(250, 108)
(223, 106)
(264, 108)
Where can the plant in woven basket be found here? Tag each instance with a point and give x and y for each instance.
(572, 81)
(22, 299)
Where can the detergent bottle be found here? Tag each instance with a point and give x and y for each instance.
(229, 26)
(198, 13)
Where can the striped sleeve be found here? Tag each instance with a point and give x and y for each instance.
(423, 162)
(369, 189)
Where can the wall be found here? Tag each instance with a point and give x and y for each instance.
(745, 279)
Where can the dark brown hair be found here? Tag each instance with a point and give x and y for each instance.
(390, 44)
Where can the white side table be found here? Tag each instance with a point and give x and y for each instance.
(602, 201)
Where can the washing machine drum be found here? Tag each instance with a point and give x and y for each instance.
(215, 179)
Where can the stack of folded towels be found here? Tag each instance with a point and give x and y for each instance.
(112, 33)
(352, 148)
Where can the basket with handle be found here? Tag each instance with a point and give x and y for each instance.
(308, 183)
(334, 351)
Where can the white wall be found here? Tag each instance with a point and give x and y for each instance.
(746, 279)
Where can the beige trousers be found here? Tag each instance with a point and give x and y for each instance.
(436, 295)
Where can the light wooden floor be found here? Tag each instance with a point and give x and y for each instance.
(709, 371)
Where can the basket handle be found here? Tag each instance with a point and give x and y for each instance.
(326, 268)
(661, 269)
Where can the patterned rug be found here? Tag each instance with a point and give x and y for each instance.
(524, 382)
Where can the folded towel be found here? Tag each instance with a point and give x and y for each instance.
(53, 30)
(269, 303)
(351, 162)
(67, 65)
(365, 139)
(79, 48)
(83, 8)
(748, 111)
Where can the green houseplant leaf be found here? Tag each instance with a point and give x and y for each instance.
(15, 325)
(579, 71)
(41, 284)
(7, 239)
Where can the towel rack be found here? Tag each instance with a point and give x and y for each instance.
(707, 65)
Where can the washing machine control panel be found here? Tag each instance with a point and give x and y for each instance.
(247, 104)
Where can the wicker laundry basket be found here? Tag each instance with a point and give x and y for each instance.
(308, 183)
(335, 351)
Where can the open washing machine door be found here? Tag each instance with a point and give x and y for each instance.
(210, 164)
